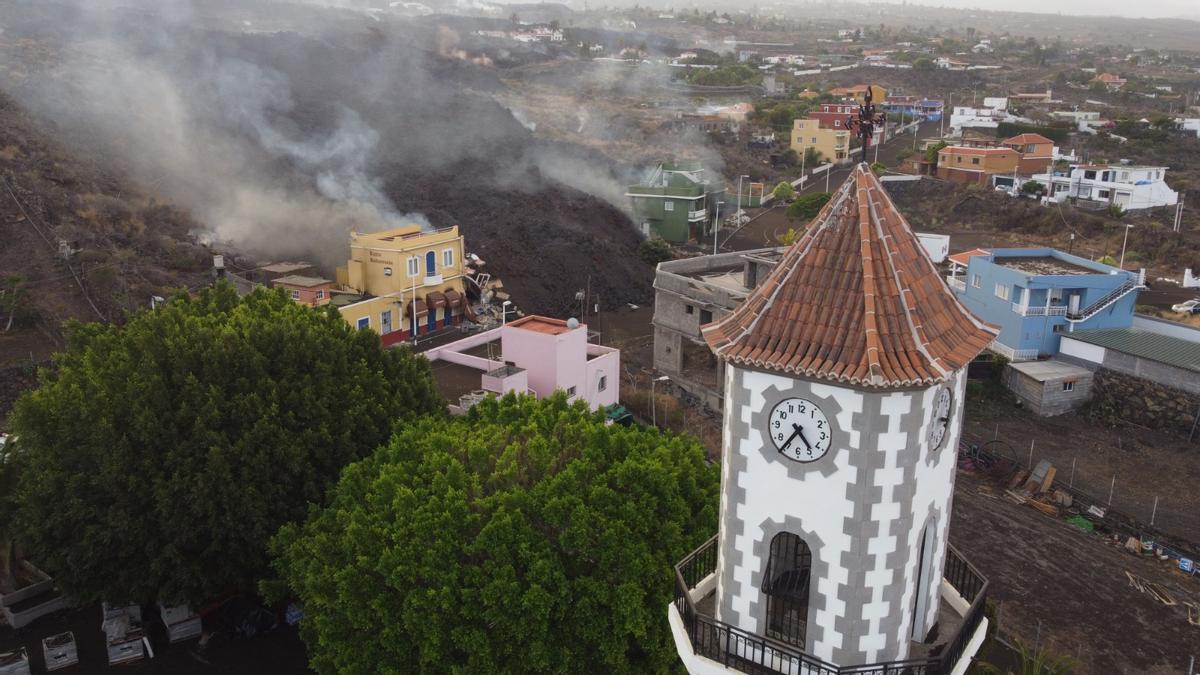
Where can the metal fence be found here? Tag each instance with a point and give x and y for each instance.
(750, 653)
(1169, 522)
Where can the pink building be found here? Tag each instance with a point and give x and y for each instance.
(533, 354)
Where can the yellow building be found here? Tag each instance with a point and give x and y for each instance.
(410, 281)
(833, 144)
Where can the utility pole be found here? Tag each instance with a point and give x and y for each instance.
(948, 106)
(827, 176)
(1124, 241)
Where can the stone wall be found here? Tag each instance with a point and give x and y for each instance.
(1119, 398)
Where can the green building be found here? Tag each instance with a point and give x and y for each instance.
(676, 202)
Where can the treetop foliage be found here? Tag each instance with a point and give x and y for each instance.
(525, 537)
(806, 207)
(158, 458)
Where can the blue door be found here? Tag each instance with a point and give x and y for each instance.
(446, 322)
(432, 318)
(430, 264)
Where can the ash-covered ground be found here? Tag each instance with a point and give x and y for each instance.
(279, 128)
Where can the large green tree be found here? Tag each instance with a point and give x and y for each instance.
(526, 537)
(806, 207)
(158, 458)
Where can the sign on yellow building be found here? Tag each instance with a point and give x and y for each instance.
(411, 281)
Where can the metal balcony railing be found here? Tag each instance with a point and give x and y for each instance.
(1040, 310)
(956, 283)
(758, 655)
(1013, 354)
(1135, 284)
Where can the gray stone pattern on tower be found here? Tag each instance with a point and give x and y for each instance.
(871, 422)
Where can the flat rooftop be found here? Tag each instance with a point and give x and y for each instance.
(285, 267)
(1043, 265)
(453, 380)
(301, 280)
(733, 280)
(1043, 371)
(542, 324)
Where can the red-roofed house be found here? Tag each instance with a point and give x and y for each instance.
(959, 261)
(975, 165)
(1110, 81)
(835, 115)
(1036, 153)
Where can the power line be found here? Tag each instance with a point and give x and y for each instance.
(32, 222)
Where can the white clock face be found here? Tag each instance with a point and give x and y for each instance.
(799, 430)
(941, 419)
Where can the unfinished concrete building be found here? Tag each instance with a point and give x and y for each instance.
(692, 292)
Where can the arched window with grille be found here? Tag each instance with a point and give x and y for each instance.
(786, 587)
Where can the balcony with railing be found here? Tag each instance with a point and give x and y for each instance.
(957, 284)
(697, 216)
(1039, 310)
(1013, 354)
(961, 623)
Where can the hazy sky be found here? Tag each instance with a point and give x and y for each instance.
(1144, 8)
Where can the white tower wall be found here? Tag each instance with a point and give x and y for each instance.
(862, 510)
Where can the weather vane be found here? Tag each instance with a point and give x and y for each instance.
(868, 118)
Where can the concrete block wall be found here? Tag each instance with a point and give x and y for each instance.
(1047, 398)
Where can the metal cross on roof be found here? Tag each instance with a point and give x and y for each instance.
(868, 118)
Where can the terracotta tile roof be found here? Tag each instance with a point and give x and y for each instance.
(1028, 138)
(964, 258)
(968, 150)
(855, 300)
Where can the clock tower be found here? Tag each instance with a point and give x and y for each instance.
(844, 375)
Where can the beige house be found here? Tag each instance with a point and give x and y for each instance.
(833, 144)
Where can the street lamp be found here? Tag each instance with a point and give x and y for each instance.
(504, 312)
(717, 225)
(654, 401)
(739, 208)
(1128, 227)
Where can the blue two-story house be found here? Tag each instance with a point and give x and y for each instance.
(1036, 294)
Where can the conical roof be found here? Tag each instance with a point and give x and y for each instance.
(855, 300)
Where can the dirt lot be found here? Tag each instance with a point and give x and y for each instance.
(1146, 463)
(1067, 589)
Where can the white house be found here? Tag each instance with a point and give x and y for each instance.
(947, 63)
(1191, 124)
(965, 117)
(996, 102)
(1130, 187)
(1083, 119)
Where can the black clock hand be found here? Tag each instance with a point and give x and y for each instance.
(800, 432)
(789, 440)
